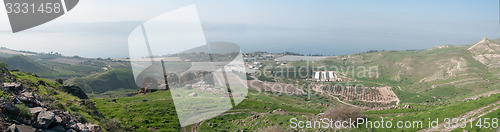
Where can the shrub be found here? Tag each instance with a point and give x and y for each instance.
(112, 125)
(343, 113)
(52, 91)
(80, 117)
(47, 98)
(58, 105)
(5, 95)
(24, 111)
(74, 108)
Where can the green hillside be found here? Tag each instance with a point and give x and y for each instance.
(446, 72)
(47, 69)
(108, 81)
(156, 111)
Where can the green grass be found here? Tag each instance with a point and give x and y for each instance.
(438, 111)
(409, 97)
(51, 92)
(154, 111)
(5, 95)
(24, 111)
(115, 93)
(47, 69)
(108, 81)
(262, 104)
(481, 127)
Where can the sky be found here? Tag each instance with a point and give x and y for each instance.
(100, 28)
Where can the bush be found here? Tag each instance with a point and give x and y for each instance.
(74, 108)
(47, 98)
(343, 113)
(80, 117)
(52, 91)
(267, 79)
(24, 111)
(58, 105)
(5, 95)
(112, 125)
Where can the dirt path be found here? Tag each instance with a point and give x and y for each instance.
(484, 94)
(470, 116)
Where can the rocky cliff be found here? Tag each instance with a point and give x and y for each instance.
(30, 104)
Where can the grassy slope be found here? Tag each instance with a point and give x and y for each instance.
(476, 126)
(433, 111)
(66, 102)
(47, 69)
(299, 107)
(155, 111)
(108, 81)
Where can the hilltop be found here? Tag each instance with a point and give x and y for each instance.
(94, 75)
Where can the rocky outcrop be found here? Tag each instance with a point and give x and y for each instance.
(75, 91)
(21, 128)
(44, 119)
(24, 110)
(8, 107)
(187, 77)
(486, 52)
(173, 79)
(29, 98)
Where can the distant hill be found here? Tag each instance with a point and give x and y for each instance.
(444, 72)
(26, 64)
(108, 81)
(47, 69)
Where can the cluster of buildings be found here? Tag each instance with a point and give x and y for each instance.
(326, 76)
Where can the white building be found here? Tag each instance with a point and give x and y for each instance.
(326, 76)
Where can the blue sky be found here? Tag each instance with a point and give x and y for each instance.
(335, 27)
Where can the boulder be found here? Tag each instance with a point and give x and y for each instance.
(172, 79)
(55, 129)
(94, 128)
(8, 107)
(70, 130)
(74, 90)
(187, 78)
(60, 81)
(29, 99)
(82, 127)
(36, 110)
(44, 119)
(58, 119)
(21, 128)
(12, 128)
(42, 83)
(12, 86)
